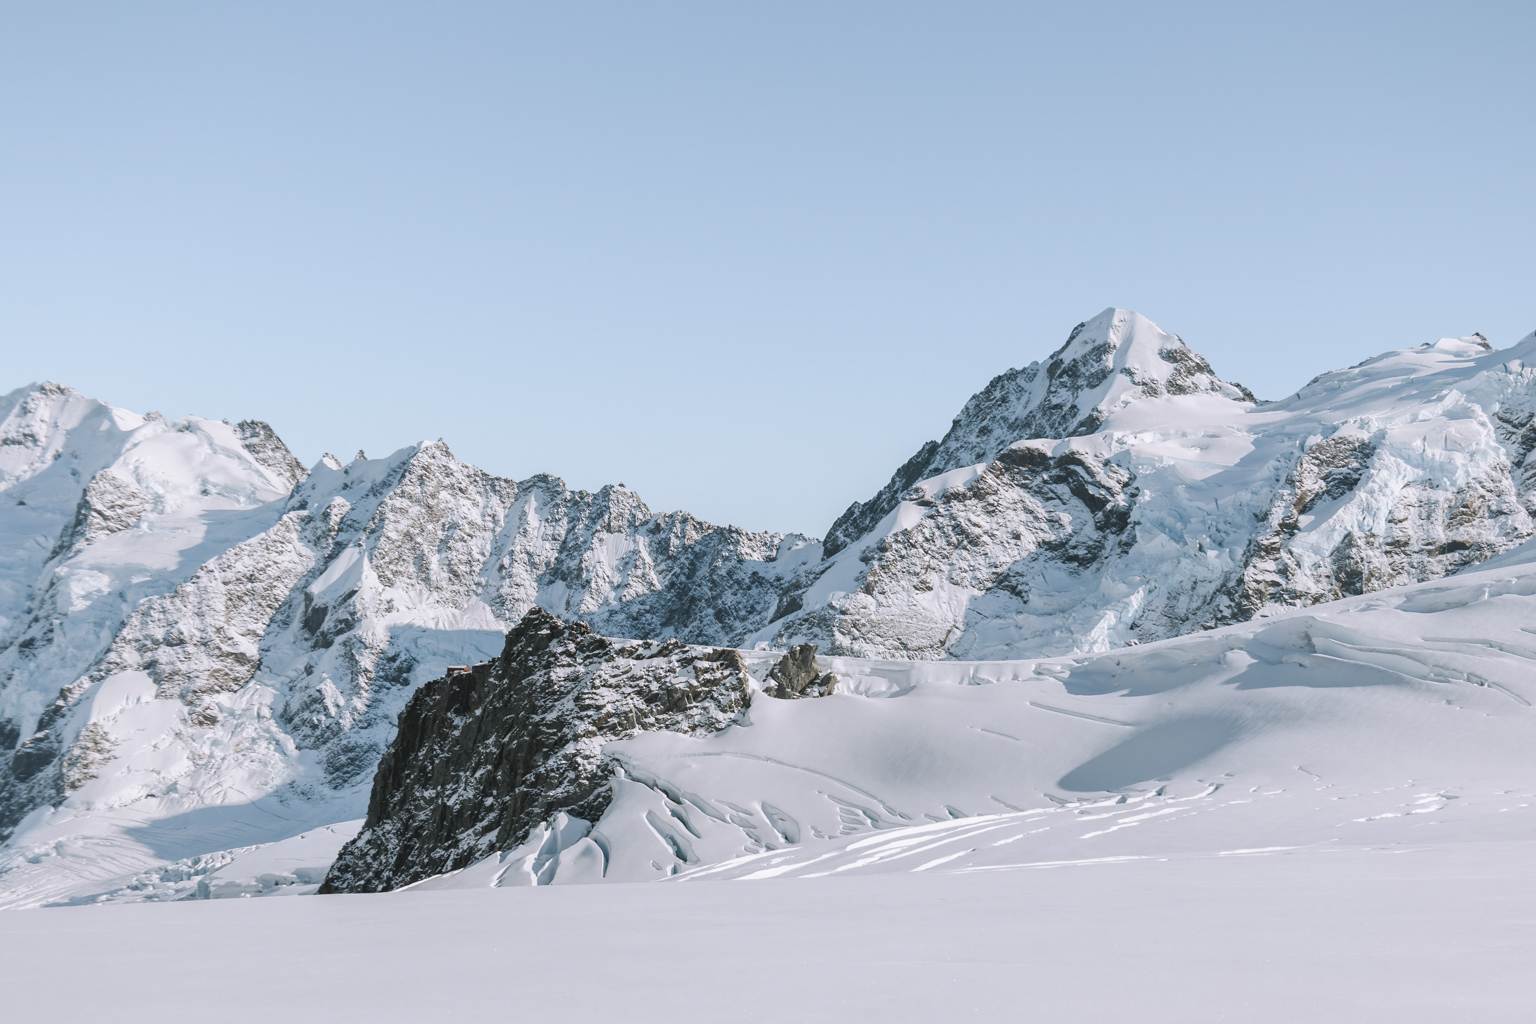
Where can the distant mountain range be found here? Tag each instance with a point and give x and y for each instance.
(192, 623)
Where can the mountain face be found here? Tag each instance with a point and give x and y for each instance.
(1403, 717)
(488, 753)
(1105, 364)
(508, 760)
(107, 518)
(172, 590)
(1168, 501)
(190, 621)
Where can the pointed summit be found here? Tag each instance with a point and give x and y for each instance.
(1114, 359)
(1106, 363)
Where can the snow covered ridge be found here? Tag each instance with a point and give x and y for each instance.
(1399, 720)
(182, 586)
(204, 648)
(1169, 501)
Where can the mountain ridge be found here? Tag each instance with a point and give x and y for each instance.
(187, 614)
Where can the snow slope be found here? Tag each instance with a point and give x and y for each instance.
(204, 648)
(1395, 719)
(191, 622)
(1159, 500)
(1392, 719)
(1427, 935)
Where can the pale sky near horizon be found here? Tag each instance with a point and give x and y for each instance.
(744, 259)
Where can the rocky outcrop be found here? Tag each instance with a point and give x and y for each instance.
(485, 754)
(267, 448)
(179, 609)
(1027, 523)
(1424, 528)
(797, 675)
(109, 505)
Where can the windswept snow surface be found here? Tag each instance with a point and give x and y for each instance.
(1394, 720)
(204, 648)
(1420, 935)
(1320, 813)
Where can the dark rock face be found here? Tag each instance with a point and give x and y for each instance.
(108, 505)
(36, 772)
(796, 675)
(1030, 517)
(269, 450)
(1430, 531)
(32, 757)
(483, 755)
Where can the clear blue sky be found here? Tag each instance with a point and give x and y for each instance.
(744, 258)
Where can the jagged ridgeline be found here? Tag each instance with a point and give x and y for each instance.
(489, 752)
(188, 578)
(187, 615)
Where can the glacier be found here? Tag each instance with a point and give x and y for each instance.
(1122, 610)
(1133, 695)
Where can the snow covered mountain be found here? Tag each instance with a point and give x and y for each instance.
(205, 648)
(176, 591)
(1397, 719)
(1120, 492)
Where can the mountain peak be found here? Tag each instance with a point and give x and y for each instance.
(1107, 362)
(47, 388)
(39, 422)
(1121, 354)
(1125, 331)
(1113, 326)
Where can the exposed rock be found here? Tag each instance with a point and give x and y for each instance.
(339, 598)
(797, 675)
(1029, 520)
(109, 505)
(1116, 492)
(1116, 358)
(484, 755)
(91, 749)
(33, 756)
(268, 449)
(1178, 505)
(204, 636)
(1428, 527)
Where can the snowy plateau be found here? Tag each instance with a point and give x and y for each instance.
(1131, 697)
